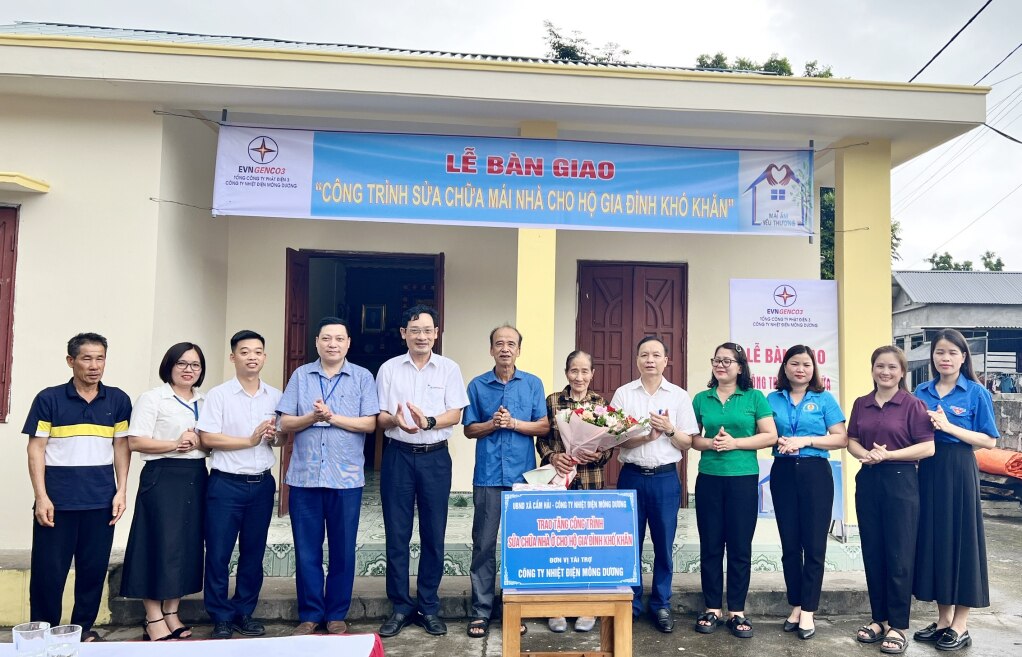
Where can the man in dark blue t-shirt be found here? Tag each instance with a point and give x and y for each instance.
(77, 440)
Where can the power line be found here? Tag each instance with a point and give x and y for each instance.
(971, 223)
(997, 65)
(1013, 75)
(1003, 134)
(960, 30)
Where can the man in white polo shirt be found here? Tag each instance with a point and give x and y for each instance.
(238, 424)
(421, 398)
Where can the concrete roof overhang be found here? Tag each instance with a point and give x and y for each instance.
(433, 95)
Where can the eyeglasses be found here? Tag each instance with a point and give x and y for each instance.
(185, 365)
(726, 362)
(416, 332)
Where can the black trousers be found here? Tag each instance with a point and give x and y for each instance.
(85, 535)
(726, 512)
(409, 479)
(803, 493)
(887, 503)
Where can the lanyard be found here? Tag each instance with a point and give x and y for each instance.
(793, 421)
(193, 407)
(322, 388)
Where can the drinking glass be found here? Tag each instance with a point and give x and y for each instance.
(30, 639)
(63, 641)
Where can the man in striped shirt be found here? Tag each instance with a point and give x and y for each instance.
(77, 443)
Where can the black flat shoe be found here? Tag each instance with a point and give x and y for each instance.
(954, 641)
(663, 621)
(789, 626)
(395, 623)
(432, 624)
(930, 633)
(806, 634)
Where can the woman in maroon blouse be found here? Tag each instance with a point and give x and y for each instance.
(889, 431)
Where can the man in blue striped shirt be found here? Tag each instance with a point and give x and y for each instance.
(77, 443)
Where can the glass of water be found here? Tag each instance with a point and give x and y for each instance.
(30, 639)
(63, 641)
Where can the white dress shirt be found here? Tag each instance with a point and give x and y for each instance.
(668, 398)
(437, 388)
(231, 411)
(161, 415)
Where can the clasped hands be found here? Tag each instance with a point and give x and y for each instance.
(418, 418)
(878, 454)
(502, 419)
(791, 444)
(659, 424)
(724, 442)
(939, 419)
(188, 441)
(564, 463)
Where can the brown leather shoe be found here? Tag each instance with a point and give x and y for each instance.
(304, 629)
(336, 627)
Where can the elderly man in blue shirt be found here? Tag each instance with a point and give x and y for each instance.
(330, 404)
(507, 409)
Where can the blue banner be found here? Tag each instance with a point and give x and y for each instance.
(512, 182)
(574, 539)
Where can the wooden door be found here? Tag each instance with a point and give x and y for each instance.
(620, 303)
(8, 263)
(296, 313)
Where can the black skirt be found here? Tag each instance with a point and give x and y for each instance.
(164, 556)
(951, 554)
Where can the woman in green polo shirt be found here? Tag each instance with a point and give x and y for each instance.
(735, 420)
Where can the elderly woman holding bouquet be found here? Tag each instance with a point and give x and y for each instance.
(588, 465)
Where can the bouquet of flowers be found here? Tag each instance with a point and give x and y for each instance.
(589, 428)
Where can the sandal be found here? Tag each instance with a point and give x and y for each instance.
(179, 633)
(711, 620)
(900, 643)
(145, 632)
(872, 636)
(734, 622)
(478, 628)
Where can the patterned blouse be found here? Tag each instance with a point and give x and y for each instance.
(590, 475)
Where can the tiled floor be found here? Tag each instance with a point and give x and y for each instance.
(279, 560)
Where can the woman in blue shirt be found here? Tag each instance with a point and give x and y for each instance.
(951, 562)
(809, 422)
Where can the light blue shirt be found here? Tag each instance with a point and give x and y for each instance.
(504, 455)
(810, 417)
(968, 405)
(328, 456)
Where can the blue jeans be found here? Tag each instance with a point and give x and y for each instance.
(236, 510)
(317, 513)
(657, 500)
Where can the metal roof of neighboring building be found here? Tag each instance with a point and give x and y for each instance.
(160, 36)
(962, 287)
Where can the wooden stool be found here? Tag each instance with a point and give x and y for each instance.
(612, 606)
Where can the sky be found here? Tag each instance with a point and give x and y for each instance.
(956, 198)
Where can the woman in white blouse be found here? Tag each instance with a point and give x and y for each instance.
(164, 557)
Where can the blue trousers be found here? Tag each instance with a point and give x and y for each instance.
(317, 513)
(236, 510)
(408, 480)
(657, 500)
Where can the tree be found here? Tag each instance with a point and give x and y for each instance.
(827, 235)
(947, 263)
(814, 70)
(576, 48)
(717, 62)
(775, 64)
(991, 262)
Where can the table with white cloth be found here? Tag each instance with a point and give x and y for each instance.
(355, 645)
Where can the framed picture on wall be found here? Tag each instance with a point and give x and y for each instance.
(374, 317)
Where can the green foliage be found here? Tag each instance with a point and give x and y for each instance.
(991, 262)
(718, 61)
(743, 64)
(827, 235)
(814, 70)
(947, 263)
(777, 65)
(576, 48)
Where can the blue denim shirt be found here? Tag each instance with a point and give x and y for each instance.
(328, 456)
(968, 405)
(504, 455)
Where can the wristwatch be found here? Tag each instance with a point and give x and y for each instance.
(430, 422)
(669, 434)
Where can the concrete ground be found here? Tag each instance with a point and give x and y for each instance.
(996, 631)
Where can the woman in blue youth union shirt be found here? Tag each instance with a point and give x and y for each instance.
(951, 560)
(809, 422)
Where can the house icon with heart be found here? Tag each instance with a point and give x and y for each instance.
(774, 197)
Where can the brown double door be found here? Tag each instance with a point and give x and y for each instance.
(619, 304)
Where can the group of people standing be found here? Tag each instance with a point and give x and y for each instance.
(920, 524)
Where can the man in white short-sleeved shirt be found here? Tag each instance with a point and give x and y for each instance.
(421, 395)
(650, 466)
(238, 422)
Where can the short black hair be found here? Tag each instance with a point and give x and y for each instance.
(174, 353)
(330, 321)
(504, 326)
(652, 338)
(245, 334)
(744, 376)
(415, 312)
(74, 345)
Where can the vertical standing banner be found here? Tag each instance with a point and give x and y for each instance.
(768, 316)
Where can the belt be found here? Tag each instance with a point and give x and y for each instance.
(247, 478)
(419, 449)
(667, 467)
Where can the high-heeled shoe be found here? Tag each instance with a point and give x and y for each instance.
(176, 634)
(145, 632)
